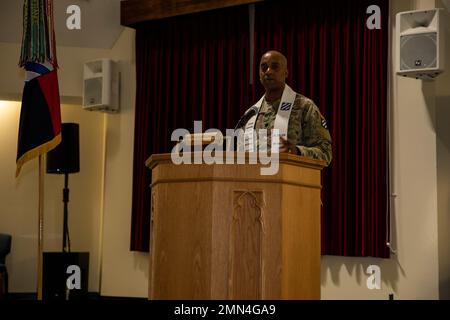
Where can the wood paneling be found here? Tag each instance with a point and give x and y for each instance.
(218, 238)
(246, 256)
(136, 11)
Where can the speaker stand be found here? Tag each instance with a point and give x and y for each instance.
(66, 238)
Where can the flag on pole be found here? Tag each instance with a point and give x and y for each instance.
(40, 115)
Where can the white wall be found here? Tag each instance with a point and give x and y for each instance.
(100, 213)
(19, 198)
(124, 273)
(443, 167)
(70, 73)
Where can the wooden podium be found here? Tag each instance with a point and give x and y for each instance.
(227, 232)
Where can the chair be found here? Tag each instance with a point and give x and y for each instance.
(5, 248)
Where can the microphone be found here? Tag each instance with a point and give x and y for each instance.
(247, 115)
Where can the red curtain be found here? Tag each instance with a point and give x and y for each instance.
(192, 67)
(341, 64)
(196, 68)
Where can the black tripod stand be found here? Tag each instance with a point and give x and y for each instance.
(66, 237)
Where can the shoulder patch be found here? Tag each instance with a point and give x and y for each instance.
(324, 122)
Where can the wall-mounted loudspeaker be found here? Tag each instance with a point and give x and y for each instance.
(420, 44)
(101, 86)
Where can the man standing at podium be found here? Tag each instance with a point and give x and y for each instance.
(302, 128)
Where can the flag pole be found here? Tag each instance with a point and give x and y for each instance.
(40, 100)
(41, 227)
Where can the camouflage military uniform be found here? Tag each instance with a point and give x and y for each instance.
(307, 128)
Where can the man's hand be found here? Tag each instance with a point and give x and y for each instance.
(286, 146)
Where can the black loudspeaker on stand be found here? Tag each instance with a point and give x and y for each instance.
(64, 159)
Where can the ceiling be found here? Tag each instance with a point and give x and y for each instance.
(100, 23)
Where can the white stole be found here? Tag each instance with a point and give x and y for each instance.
(281, 120)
